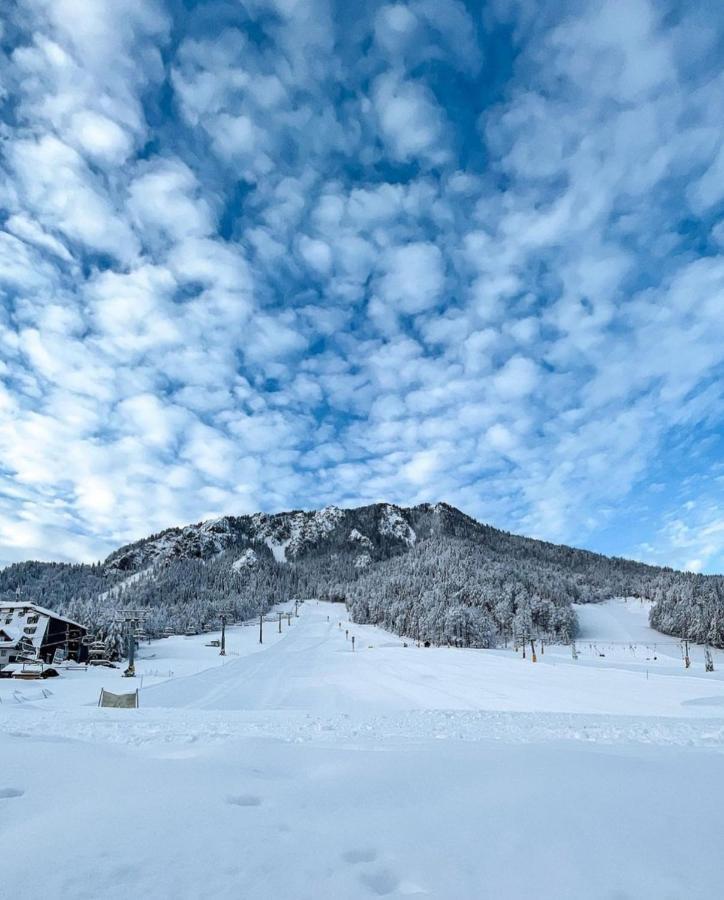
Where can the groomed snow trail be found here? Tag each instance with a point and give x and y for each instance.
(310, 667)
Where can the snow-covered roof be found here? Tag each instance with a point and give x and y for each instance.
(6, 605)
(9, 636)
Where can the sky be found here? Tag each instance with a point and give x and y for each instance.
(278, 254)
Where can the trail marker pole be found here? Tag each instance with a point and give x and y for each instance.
(261, 628)
(346, 634)
(296, 609)
(533, 657)
(280, 623)
(222, 651)
(352, 643)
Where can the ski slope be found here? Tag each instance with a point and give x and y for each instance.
(314, 668)
(301, 769)
(624, 620)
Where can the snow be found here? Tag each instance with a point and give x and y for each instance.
(287, 534)
(328, 518)
(174, 657)
(394, 524)
(616, 634)
(278, 548)
(621, 619)
(301, 769)
(117, 589)
(210, 537)
(360, 538)
(247, 560)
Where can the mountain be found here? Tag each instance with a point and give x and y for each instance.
(429, 571)
(287, 536)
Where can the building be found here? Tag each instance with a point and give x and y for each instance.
(30, 632)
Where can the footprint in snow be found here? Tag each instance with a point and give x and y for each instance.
(8, 793)
(380, 881)
(244, 800)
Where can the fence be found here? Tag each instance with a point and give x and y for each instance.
(118, 701)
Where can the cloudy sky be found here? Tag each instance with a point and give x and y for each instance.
(268, 254)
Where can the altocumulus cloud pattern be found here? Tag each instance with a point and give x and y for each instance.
(279, 253)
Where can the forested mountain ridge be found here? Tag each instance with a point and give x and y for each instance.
(429, 571)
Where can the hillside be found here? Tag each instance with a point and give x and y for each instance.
(430, 572)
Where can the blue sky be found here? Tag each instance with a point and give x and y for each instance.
(286, 253)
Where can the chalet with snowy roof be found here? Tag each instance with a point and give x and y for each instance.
(30, 632)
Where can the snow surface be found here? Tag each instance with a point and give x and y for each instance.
(247, 560)
(300, 769)
(360, 538)
(287, 534)
(395, 524)
(278, 548)
(117, 589)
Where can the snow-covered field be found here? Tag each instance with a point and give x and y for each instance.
(300, 769)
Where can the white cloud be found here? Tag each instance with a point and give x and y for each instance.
(395, 25)
(133, 312)
(316, 254)
(413, 277)
(501, 438)
(517, 378)
(234, 136)
(63, 194)
(708, 190)
(100, 137)
(165, 197)
(28, 230)
(692, 534)
(410, 120)
(428, 29)
(82, 70)
(451, 21)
